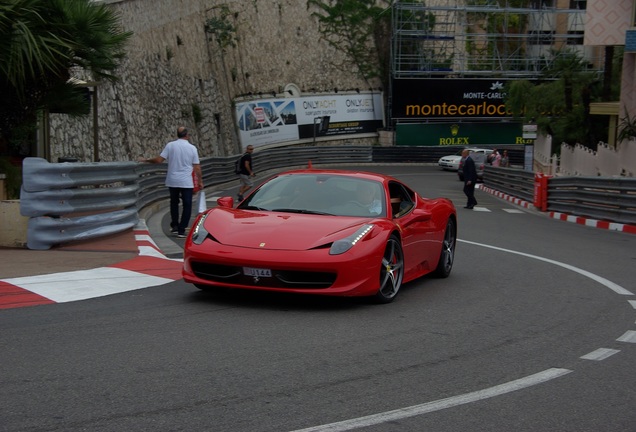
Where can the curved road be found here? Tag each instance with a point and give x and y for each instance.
(535, 330)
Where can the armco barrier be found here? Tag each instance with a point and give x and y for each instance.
(77, 201)
(43, 232)
(514, 182)
(609, 199)
(57, 198)
(603, 198)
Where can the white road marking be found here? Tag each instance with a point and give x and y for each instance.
(146, 238)
(609, 284)
(150, 251)
(85, 284)
(600, 354)
(519, 384)
(513, 211)
(633, 303)
(629, 336)
(441, 404)
(481, 209)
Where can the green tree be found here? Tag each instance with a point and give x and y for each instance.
(42, 41)
(559, 103)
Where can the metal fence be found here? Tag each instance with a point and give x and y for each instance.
(602, 198)
(75, 201)
(68, 202)
(514, 182)
(609, 199)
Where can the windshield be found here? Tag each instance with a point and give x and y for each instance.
(319, 194)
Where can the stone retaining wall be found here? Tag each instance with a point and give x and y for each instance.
(175, 68)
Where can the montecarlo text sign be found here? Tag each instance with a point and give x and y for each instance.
(277, 120)
(449, 99)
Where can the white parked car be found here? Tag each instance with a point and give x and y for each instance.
(451, 163)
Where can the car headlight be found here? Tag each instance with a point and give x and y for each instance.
(199, 233)
(341, 246)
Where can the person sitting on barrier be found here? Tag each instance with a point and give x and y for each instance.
(183, 160)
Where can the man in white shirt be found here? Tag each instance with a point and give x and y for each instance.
(183, 159)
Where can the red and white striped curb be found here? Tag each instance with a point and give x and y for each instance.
(149, 268)
(512, 199)
(612, 226)
(594, 223)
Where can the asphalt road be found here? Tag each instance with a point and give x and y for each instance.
(535, 330)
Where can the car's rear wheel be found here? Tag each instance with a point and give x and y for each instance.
(391, 271)
(447, 255)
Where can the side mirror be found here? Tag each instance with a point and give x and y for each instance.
(227, 202)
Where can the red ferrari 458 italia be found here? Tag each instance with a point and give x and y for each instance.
(328, 232)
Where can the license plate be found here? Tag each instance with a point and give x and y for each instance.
(251, 271)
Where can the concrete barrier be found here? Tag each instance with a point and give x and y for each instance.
(13, 229)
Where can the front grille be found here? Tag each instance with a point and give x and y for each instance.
(233, 275)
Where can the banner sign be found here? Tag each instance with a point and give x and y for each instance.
(464, 134)
(530, 131)
(449, 99)
(276, 120)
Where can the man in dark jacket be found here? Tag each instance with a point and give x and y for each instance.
(470, 179)
(246, 172)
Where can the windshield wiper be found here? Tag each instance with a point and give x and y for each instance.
(301, 211)
(251, 207)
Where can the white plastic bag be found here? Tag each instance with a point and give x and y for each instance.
(201, 204)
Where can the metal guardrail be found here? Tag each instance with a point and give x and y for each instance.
(68, 201)
(514, 182)
(610, 199)
(432, 154)
(602, 198)
(220, 170)
(77, 201)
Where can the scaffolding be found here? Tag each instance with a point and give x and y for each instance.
(482, 38)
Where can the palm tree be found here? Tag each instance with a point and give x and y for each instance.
(42, 42)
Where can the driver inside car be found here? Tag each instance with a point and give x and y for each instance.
(366, 195)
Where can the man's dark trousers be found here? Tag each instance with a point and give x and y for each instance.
(470, 179)
(185, 194)
(469, 190)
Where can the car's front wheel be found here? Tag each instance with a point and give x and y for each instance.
(447, 255)
(391, 271)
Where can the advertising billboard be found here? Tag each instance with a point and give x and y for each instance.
(464, 134)
(449, 99)
(278, 120)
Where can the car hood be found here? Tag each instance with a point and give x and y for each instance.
(451, 158)
(277, 230)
